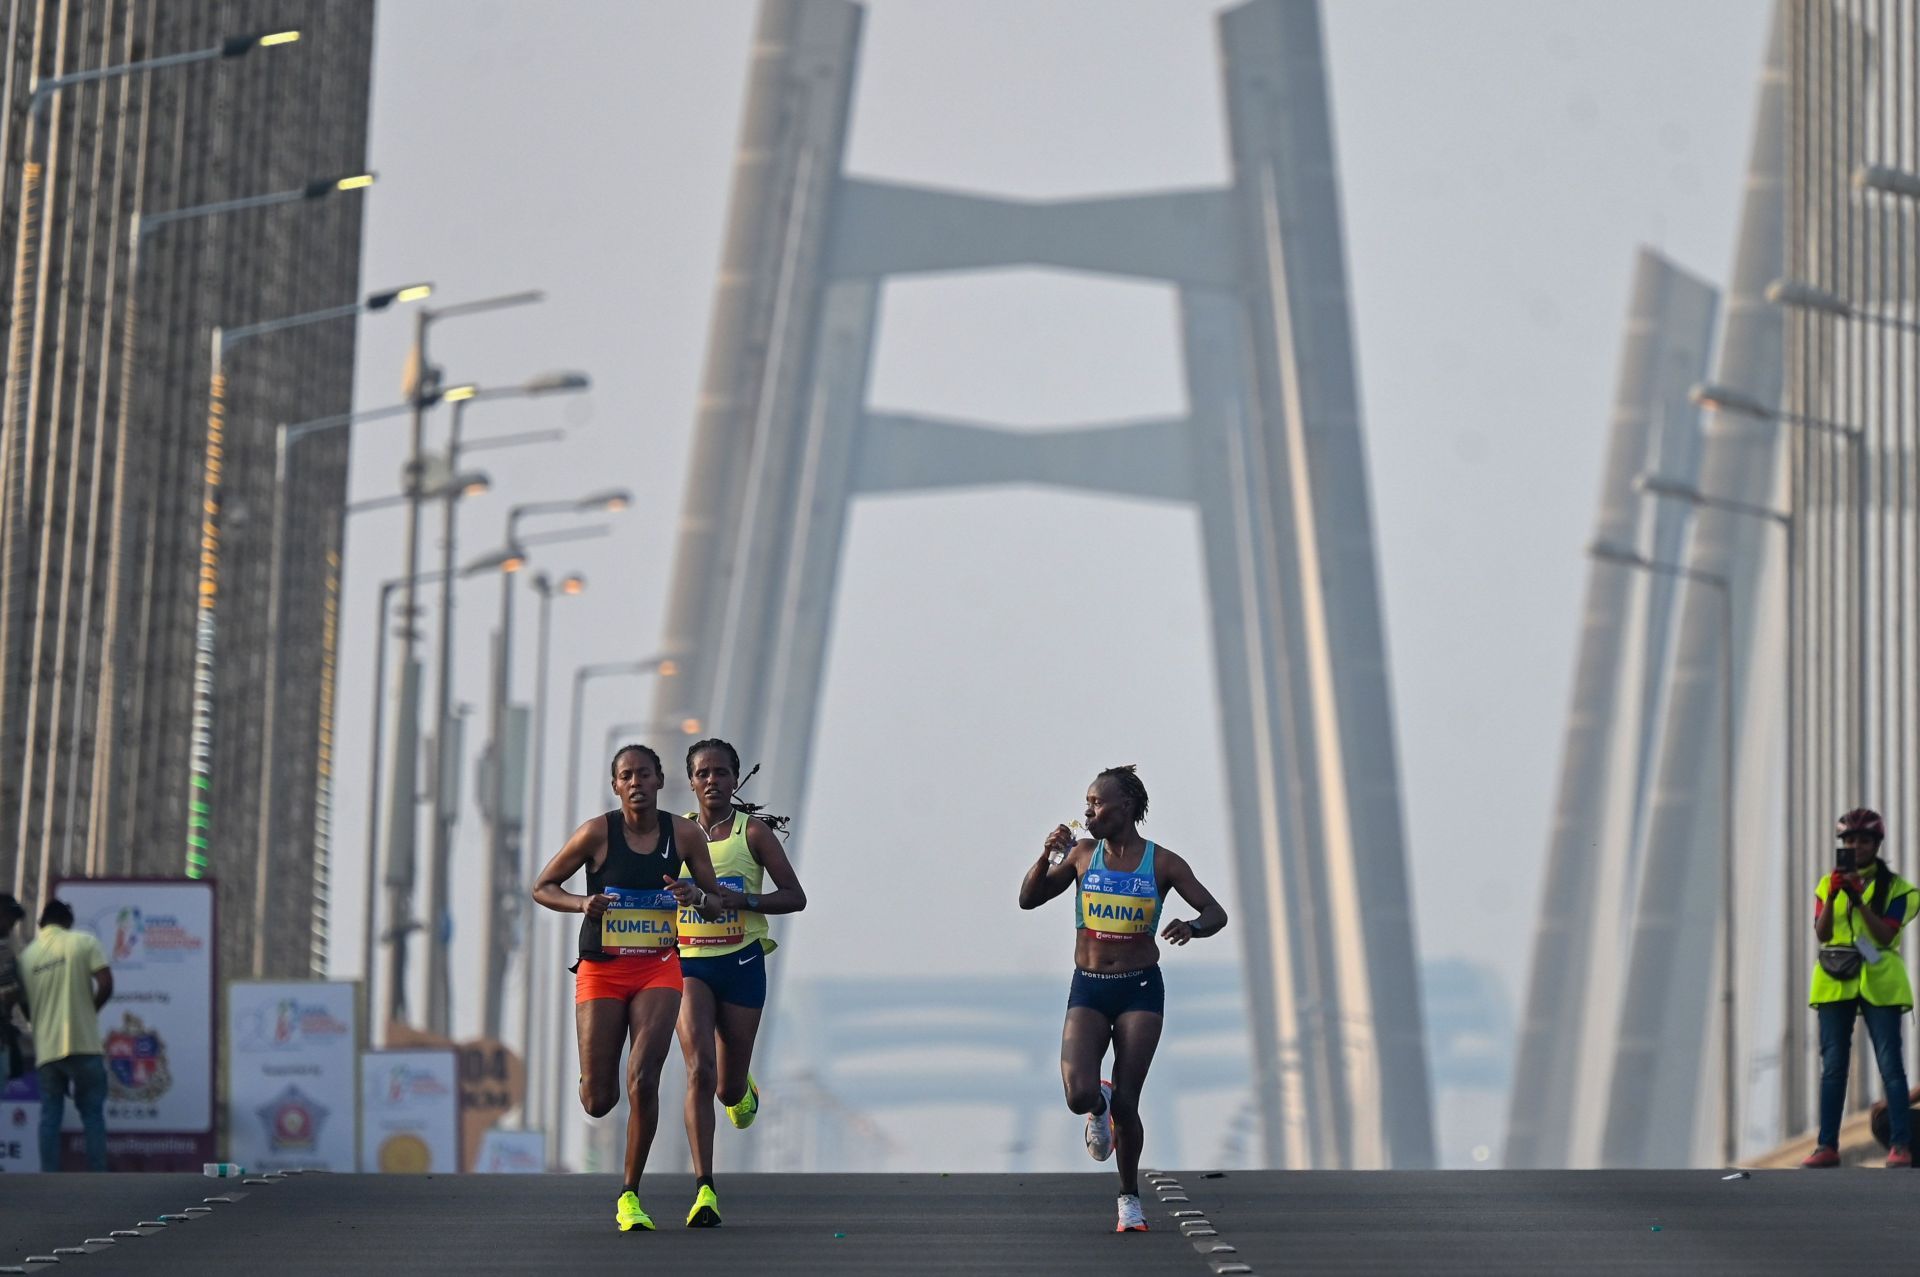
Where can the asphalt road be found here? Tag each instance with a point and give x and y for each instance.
(1610, 1222)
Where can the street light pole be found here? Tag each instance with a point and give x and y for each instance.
(571, 584)
(1730, 400)
(423, 391)
(1792, 1027)
(1729, 1071)
(444, 814)
(502, 862)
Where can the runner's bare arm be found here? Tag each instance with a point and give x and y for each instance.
(586, 843)
(1179, 878)
(1047, 878)
(703, 893)
(787, 896)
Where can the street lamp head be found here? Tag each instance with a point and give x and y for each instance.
(573, 583)
(1727, 399)
(669, 669)
(472, 483)
(1888, 181)
(321, 187)
(1613, 552)
(509, 559)
(550, 383)
(239, 45)
(610, 499)
(1800, 295)
(1659, 486)
(690, 726)
(454, 394)
(398, 296)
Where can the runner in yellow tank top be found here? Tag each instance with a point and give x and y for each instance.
(723, 959)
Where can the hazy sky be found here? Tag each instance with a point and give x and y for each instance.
(1500, 161)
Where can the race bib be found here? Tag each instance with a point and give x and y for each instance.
(637, 921)
(1115, 906)
(728, 928)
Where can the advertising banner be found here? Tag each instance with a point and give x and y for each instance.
(409, 1112)
(157, 1031)
(512, 1153)
(493, 1083)
(293, 1052)
(20, 1125)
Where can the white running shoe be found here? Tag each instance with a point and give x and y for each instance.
(1100, 1126)
(1132, 1218)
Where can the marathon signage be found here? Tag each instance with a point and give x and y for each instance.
(410, 1112)
(156, 1032)
(20, 1125)
(292, 1057)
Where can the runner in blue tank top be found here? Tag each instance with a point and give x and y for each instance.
(1119, 880)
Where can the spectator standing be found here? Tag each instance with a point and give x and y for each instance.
(1859, 910)
(13, 1061)
(67, 981)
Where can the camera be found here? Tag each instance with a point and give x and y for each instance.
(1843, 859)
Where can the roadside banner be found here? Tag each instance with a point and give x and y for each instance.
(157, 1030)
(512, 1153)
(20, 1125)
(409, 1112)
(292, 1095)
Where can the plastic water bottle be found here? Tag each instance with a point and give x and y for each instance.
(222, 1170)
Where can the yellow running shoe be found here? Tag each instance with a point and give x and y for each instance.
(743, 1113)
(706, 1209)
(628, 1214)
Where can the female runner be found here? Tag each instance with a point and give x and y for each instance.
(627, 982)
(723, 960)
(1117, 996)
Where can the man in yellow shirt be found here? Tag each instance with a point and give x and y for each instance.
(67, 980)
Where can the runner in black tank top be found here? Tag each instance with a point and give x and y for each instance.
(627, 982)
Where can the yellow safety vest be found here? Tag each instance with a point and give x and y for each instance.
(1883, 983)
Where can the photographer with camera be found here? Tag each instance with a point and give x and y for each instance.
(1857, 915)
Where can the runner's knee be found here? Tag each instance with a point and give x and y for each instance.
(1082, 1098)
(644, 1077)
(597, 1098)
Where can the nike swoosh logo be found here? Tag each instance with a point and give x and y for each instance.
(1144, 983)
(744, 961)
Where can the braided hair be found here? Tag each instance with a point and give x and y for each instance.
(637, 748)
(1127, 779)
(776, 823)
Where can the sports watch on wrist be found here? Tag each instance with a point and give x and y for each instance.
(753, 902)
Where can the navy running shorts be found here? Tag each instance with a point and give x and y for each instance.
(738, 978)
(1114, 993)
